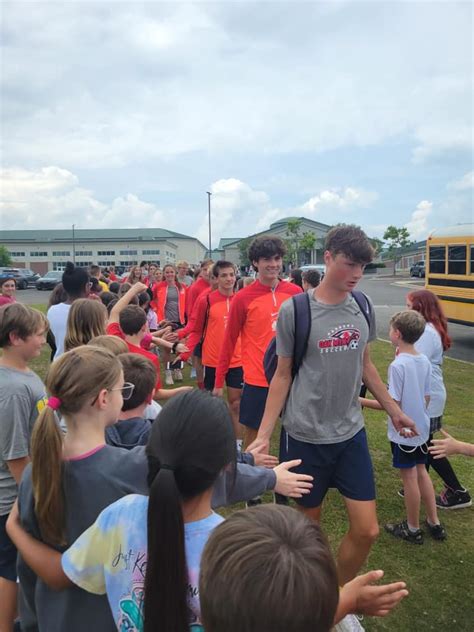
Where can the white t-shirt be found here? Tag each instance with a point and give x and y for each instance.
(409, 378)
(57, 317)
(430, 345)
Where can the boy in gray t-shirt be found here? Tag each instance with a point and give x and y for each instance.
(322, 420)
(22, 393)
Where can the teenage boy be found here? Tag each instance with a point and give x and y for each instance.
(210, 316)
(253, 315)
(322, 422)
(95, 272)
(409, 377)
(22, 397)
(183, 277)
(132, 428)
(310, 279)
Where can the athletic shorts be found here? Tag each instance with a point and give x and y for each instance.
(252, 405)
(406, 456)
(436, 424)
(347, 466)
(233, 379)
(197, 351)
(8, 553)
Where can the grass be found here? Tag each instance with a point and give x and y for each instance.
(439, 574)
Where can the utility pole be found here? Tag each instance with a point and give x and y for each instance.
(73, 245)
(209, 212)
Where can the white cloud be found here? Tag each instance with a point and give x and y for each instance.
(347, 200)
(463, 184)
(418, 224)
(52, 198)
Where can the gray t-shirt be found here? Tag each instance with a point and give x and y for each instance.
(171, 307)
(90, 484)
(323, 403)
(22, 397)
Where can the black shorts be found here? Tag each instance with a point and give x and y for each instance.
(347, 466)
(197, 351)
(8, 553)
(406, 456)
(252, 405)
(233, 379)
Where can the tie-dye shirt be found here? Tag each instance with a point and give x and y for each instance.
(111, 556)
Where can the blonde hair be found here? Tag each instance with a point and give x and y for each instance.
(410, 324)
(22, 320)
(114, 344)
(86, 319)
(76, 379)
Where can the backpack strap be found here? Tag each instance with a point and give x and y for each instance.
(302, 312)
(364, 304)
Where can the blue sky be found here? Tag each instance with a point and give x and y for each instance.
(120, 114)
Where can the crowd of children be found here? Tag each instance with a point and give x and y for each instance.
(108, 503)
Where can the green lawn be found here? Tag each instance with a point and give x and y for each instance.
(439, 574)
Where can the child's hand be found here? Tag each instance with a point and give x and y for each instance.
(375, 601)
(139, 287)
(289, 483)
(441, 448)
(262, 459)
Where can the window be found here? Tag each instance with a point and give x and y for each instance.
(129, 252)
(84, 253)
(472, 260)
(61, 253)
(106, 263)
(150, 252)
(457, 259)
(17, 254)
(83, 264)
(127, 264)
(59, 265)
(106, 253)
(437, 259)
(38, 254)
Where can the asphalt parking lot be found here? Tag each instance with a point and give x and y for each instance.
(387, 294)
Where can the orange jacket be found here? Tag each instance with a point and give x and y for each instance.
(160, 296)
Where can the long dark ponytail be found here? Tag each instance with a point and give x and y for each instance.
(190, 443)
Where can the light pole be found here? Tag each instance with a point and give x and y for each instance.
(73, 245)
(209, 213)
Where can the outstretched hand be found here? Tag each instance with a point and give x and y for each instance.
(263, 459)
(289, 483)
(364, 597)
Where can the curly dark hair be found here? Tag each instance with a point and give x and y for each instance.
(266, 246)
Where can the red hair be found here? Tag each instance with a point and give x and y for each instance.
(428, 305)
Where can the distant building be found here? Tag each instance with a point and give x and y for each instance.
(229, 247)
(408, 256)
(43, 250)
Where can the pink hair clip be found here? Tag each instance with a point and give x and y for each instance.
(54, 403)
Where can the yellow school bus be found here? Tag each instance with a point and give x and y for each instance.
(450, 271)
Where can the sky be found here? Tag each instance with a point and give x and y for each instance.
(123, 114)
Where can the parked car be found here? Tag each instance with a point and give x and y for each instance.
(418, 269)
(29, 276)
(49, 280)
(15, 273)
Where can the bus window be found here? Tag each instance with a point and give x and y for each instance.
(437, 259)
(472, 260)
(457, 259)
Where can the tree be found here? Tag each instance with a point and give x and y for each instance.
(297, 244)
(396, 238)
(5, 259)
(243, 247)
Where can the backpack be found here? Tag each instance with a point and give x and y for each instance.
(302, 313)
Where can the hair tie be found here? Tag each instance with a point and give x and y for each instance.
(166, 467)
(54, 403)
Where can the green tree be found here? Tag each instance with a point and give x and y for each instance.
(243, 247)
(5, 259)
(397, 239)
(298, 245)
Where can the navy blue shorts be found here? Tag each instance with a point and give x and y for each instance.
(197, 351)
(252, 405)
(234, 377)
(405, 456)
(347, 466)
(7, 553)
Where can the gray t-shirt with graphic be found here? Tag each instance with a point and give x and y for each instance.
(22, 397)
(323, 403)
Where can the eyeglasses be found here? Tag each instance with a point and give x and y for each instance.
(127, 390)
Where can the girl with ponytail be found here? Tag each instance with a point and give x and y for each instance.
(145, 552)
(72, 478)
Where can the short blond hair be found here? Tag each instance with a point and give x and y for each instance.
(410, 324)
(182, 264)
(114, 344)
(22, 320)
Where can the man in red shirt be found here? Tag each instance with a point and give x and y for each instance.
(207, 326)
(253, 315)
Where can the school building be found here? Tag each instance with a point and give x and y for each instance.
(44, 250)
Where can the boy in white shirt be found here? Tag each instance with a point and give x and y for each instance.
(409, 378)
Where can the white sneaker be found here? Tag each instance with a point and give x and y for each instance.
(350, 623)
(178, 375)
(193, 373)
(168, 377)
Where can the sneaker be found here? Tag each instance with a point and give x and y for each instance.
(451, 499)
(178, 375)
(193, 373)
(168, 377)
(436, 531)
(401, 492)
(350, 623)
(254, 502)
(401, 530)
